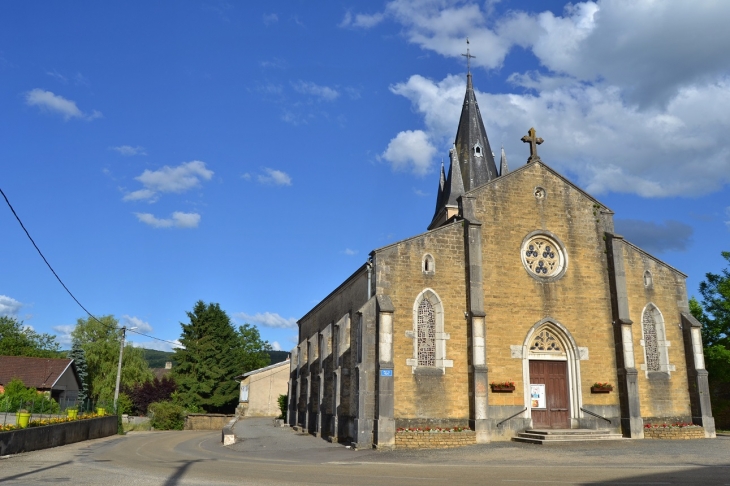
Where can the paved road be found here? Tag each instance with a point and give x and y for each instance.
(268, 455)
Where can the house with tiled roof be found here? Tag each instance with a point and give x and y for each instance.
(58, 376)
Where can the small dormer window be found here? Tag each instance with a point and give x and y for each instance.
(478, 150)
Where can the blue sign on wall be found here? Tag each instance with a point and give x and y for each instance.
(386, 372)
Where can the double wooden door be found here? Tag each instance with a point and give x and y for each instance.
(552, 410)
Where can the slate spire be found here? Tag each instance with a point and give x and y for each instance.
(472, 144)
(503, 169)
(449, 191)
(442, 182)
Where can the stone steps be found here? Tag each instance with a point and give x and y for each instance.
(562, 436)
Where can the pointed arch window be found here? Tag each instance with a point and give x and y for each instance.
(429, 338)
(654, 341)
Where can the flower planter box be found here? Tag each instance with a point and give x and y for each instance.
(595, 389)
(502, 389)
(43, 437)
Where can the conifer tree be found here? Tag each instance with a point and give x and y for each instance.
(79, 356)
(212, 356)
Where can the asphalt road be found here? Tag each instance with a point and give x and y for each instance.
(267, 455)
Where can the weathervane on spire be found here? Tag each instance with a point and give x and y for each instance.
(468, 57)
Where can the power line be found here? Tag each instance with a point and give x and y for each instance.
(61, 281)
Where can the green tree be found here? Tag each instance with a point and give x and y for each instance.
(254, 350)
(19, 340)
(213, 354)
(100, 342)
(79, 356)
(714, 314)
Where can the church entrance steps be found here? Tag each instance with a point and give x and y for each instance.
(561, 436)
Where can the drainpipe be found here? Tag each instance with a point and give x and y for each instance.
(370, 274)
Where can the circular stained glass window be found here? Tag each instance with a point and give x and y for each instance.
(543, 257)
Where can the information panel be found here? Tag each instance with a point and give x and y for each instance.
(537, 396)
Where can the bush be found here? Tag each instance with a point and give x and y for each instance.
(18, 397)
(143, 394)
(283, 405)
(167, 416)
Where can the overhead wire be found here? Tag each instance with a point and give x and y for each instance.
(61, 281)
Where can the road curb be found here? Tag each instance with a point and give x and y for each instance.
(228, 436)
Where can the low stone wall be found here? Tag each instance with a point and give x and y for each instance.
(207, 421)
(407, 439)
(36, 438)
(674, 433)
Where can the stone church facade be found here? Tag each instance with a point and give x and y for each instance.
(520, 278)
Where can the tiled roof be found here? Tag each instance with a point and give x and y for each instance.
(39, 373)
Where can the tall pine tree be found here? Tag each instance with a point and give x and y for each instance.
(210, 359)
(79, 356)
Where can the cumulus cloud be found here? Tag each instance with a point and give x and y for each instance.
(322, 92)
(656, 237)
(52, 103)
(142, 326)
(268, 319)
(617, 99)
(157, 345)
(275, 346)
(178, 220)
(410, 150)
(170, 179)
(9, 307)
(63, 334)
(128, 150)
(275, 177)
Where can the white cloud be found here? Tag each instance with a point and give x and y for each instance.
(275, 177)
(410, 150)
(322, 92)
(47, 101)
(158, 345)
(349, 252)
(275, 346)
(178, 220)
(128, 150)
(63, 334)
(142, 326)
(268, 319)
(363, 21)
(170, 179)
(727, 213)
(246, 176)
(9, 307)
(269, 19)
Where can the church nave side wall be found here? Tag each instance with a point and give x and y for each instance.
(425, 395)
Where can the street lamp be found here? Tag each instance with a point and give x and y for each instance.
(119, 367)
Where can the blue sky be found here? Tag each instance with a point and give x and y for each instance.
(253, 154)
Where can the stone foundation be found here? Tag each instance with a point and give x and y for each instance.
(407, 439)
(674, 433)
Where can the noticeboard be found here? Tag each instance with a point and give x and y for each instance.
(537, 396)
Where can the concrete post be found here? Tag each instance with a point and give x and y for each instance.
(478, 412)
(632, 425)
(385, 425)
(699, 389)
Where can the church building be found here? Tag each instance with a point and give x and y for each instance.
(518, 308)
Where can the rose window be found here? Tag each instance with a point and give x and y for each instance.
(543, 257)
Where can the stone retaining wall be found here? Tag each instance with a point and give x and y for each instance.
(207, 421)
(674, 433)
(36, 438)
(433, 440)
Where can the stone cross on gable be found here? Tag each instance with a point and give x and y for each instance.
(534, 141)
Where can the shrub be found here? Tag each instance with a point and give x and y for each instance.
(283, 404)
(17, 397)
(167, 416)
(124, 404)
(143, 394)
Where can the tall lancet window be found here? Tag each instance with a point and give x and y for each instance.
(429, 338)
(655, 343)
(426, 334)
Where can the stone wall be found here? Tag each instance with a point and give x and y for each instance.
(37, 438)
(207, 421)
(674, 433)
(433, 440)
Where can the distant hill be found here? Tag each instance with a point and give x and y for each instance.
(157, 359)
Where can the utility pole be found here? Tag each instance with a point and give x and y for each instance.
(119, 367)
